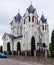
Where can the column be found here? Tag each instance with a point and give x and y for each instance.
(45, 53)
(34, 53)
(18, 53)
(25, 53)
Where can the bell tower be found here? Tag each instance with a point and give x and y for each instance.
(30, 26)
(44, 30)
(16, 25)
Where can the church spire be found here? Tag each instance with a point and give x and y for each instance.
(18, 17)
(43, 19)
(31, 9)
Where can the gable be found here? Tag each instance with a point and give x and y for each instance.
(5, 37)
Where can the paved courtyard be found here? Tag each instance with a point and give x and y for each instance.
(14, 62)
(20, 60)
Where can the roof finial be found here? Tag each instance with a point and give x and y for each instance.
(42, 12)
(31, 2)
(18, 10)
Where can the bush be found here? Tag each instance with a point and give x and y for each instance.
(1, 49)
(32, 45)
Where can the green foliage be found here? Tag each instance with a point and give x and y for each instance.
(1, 48)
(18, 46)
(50, 46)
(8, 47)
(32, 43)
(52, 37)
(52, 41)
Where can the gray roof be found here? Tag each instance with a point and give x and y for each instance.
(10, 35)
(43, 19)
(18, 17)
(19, 36)
(13, 36)
(31, 9)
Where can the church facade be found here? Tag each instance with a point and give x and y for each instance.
(26, 27)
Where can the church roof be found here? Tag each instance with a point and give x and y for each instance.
(43, 19)
(31, 9)
(13, 36)
(18, 17)
(19, 36)
(10, 35)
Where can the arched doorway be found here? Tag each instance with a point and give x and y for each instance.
(18, 46)
(32, 45)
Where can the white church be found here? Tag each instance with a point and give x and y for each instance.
(23, 28)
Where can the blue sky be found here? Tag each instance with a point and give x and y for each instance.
(9, 8)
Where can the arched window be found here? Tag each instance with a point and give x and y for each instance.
(24, 21)
(33, 19)
(43, 27)
(29, 18)
(21, 29)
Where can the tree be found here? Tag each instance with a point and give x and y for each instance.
(18, 46)
(8, 47)
(52, 44)
(52, 41)
(32, 45)
(52, 37)
(1, 48)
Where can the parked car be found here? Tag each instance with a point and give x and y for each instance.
(2, 55)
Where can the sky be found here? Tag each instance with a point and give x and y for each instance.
(10, 8)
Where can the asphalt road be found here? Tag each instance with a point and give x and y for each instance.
(9, 61)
